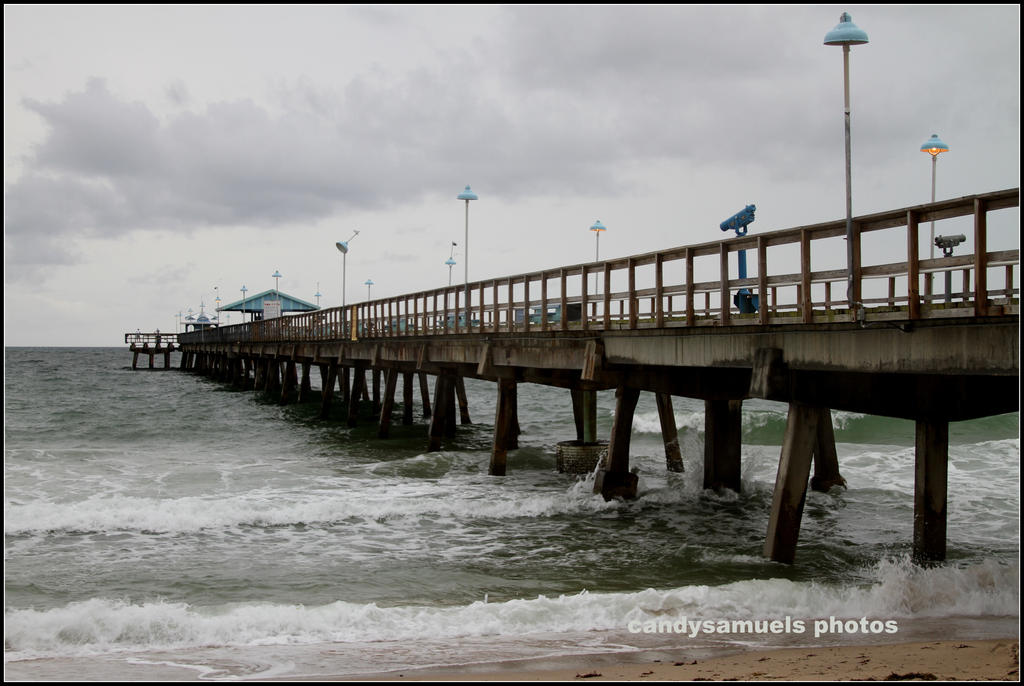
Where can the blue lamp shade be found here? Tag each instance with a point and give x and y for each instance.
(934, 146)
(598, 226)
(368, 282)
(450, 262)
(846, 33)
(275, 275)
(467, 195)
(342, 247)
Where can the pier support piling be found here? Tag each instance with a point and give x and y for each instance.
(931, 466)
(791, 483)
(407, 399)
(460, 390)
(615, 480)
(504, 426)
(305, 388)
(439, 420)
(289, 382)
(388, 404)
(722, 440)
(669, 433)
(328, 376)
(826, 461)
(357, 393)
(425, 395)
(584, 412)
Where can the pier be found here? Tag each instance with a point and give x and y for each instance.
(668, 323)
(151, 344)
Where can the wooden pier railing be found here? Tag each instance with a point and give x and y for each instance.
(690, 286)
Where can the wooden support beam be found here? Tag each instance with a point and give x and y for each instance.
(584, 411)
(375, 376)
(577, 411)
(305, 389)
(931, 458)
(826, 460)
(460, 389)
(449, 415)
(438, 420)
(424, 394)
(390, 384)
(273, 380)
(791, 483)
(669, 433)
(722, 440)
(289, 383)
(504, 427)
(357, 393)
(328, 376)
(615, 480)
(407, 398)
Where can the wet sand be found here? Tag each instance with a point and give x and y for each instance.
(983, 660)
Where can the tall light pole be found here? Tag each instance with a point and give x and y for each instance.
(342, 247)
(368, 283)
(846, 33)
(466, 195)
(597, 228)
(244, 289)
(933, 146)
(277, 275)
(451, 263)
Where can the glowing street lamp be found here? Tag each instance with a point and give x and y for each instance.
(846, 33)
(933, 146)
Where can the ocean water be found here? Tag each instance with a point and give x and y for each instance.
(162, 525)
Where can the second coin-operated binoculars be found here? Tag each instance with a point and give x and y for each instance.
(744, 299)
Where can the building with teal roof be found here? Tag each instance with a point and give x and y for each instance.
(254, 304)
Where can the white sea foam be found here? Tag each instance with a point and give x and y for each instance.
(162, 515)
(898, 590)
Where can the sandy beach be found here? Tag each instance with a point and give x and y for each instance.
(986, 660)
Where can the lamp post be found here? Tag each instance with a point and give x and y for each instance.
(846, 33)
(343, 249)
(244, 289)
(368, 283)
(466, 195)
(277, 275)
(451, 263)
(933, 146)
(597, 228)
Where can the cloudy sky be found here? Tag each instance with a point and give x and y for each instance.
(159, 156)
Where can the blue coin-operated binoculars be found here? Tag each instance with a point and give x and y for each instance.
(744, 299)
